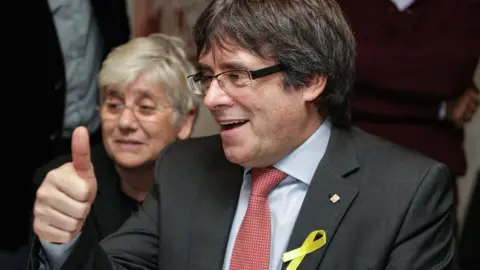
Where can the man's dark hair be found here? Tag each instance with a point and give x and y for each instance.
(308, 37)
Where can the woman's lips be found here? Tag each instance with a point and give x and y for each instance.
(128, 144)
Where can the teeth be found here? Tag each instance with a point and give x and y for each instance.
(233, 122)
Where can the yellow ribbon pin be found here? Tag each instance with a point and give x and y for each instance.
(309, 245)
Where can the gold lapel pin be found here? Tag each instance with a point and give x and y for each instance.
(335, 198)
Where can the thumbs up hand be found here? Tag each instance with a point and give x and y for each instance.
(66, 194)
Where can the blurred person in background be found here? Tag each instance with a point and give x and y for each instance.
(79, 35)
(168, 17)
(145, 105)
(414, 70)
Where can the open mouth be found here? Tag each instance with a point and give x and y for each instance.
(232, 124)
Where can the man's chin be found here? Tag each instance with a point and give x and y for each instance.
(237, 155)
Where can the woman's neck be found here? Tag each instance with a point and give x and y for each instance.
(136, 182)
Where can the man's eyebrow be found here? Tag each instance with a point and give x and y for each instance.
(233, 65)
(224, 67)
(204, 67)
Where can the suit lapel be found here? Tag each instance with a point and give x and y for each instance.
(214, 213)
(318, 212)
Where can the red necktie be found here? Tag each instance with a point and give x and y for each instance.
(252, 245)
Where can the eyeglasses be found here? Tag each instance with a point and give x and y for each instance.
(112, 110)
(229, 80)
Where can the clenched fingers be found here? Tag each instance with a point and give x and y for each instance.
(57, 219)
(50, 234)
(57, 200)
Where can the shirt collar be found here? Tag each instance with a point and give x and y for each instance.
(302, 163)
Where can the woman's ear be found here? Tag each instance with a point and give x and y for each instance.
(185, 127)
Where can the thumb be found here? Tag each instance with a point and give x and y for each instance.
(81, 153)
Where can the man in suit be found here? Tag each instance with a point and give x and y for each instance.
(287, 184)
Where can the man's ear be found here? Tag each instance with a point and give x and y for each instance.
(185, 127)
(315, 88)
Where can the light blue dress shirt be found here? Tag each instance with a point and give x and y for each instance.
(82, 47)
(285, 199)
(403, 4)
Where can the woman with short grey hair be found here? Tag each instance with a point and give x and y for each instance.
(145, 104)
(160, 57)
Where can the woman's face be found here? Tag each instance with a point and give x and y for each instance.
(137, 123)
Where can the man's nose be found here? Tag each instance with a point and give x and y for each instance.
(215, 96)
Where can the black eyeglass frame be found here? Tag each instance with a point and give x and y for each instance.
(254, 74)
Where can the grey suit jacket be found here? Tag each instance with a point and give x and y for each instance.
(395, 211)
